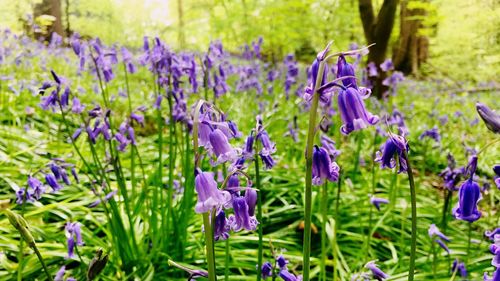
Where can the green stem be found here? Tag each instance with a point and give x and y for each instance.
(40, 258)
(434, 260)
(308, 187)
(259, 213)
(370, 220)
(209, 241)
(337, 223)
(413, 250)
(468, 242)
(20, 255)
(324, 202)
(226, 261)
(448, 195)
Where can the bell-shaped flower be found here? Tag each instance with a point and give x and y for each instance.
(393, 147)
(375, 201)
(377, 273)
(469, 195)
(209, 196)
(353, 112)
(241, 218)
(323, 168)
(221, 147)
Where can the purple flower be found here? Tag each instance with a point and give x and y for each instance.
(73, 232)
(268, 147)
(372, 69)
(346, 69)
(442, 245)
(377, 201)
(221, 147)
(106, 199)
(251, 199)
(490, 117)
(452, 175)
(432, 133)
(495, 277)
(329, 145)
(127, 59)
(23, 195)
(353, 112)
(323, 168)
(393, 147)
(60, 274)
(267, 160)
(209, 196)
(221, 229)
(287, 276)
(496, 169)
(282, 262)
(387, 65)
(491, 234)
(248, 149)
(266, 270)
(241, 218)
(434, 231)
(460, 267)
(77, 107)
(377, 273)
(469, 195)
(52, 182)
(37, 186)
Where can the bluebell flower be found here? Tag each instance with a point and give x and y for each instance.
(282, 262)
(241, 218)
(377, 201)
(221, 147)
(496, 169)
(442, 245)
(323, 168)
(221, 229)
(434, 231)
(353, 112)
(209, 196)
(106, 198)
(490, 117)
(459, 267)
(251, 199)
(392, 149)
(469, 195)
(287, 276)
(346, 69)
(52, 182)
(73, 236)
(377, 273)
(266, 270)
(431, 133)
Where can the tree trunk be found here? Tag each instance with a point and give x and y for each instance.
(412, 49)
(52, 8)
(378, 30)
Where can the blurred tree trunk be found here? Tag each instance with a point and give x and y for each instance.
(52, 8)
(66, 13)
(378, 30)
(413, 48)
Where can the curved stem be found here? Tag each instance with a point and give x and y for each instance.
(411, 273)
(308, 187)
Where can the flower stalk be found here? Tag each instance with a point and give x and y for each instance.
(309, 162)
(413, 199)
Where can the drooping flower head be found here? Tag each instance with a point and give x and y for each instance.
(323, 168)
(434, 231)
(392, 149)
(490, 117)
(469, 195)
(375, 201)
(377, 273)
(73, 236)
(221, 228)
(432, 133)
(345, 69)
(266, 270)
(353, 112)
(496, 169)
(209, 196)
